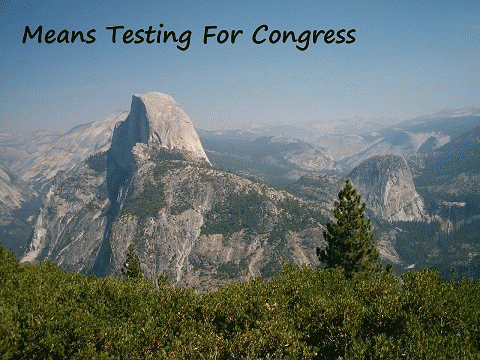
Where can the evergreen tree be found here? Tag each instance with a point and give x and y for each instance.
(350, 243)
(131, 267)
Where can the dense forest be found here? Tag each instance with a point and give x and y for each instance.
(305, 313)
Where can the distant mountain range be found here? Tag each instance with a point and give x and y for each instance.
(208, 207)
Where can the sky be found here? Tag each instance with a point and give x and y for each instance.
(409, 58)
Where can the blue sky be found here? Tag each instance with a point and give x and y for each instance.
(410, 58)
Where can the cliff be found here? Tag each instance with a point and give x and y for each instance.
(386, 185)
(154, 188)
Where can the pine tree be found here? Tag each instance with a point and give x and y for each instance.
(131, 267)
(350, 243)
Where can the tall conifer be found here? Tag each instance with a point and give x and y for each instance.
(131, 267)
(350, 243)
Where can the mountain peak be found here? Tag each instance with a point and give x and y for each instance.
(156, 118)
(386, 184)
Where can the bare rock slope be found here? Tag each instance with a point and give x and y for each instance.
(154, 188)
(386, 185)
(155, 118)
(37, 158)
(13, 192)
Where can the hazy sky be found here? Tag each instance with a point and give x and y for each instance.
(409, 58)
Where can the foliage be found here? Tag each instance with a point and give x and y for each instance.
(299, 215)
(425, 244)
(351, 244)
(306, 313)
(131, 268)
(97, 162)
(147, 203)
(238, 211)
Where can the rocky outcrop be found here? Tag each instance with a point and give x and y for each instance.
(71, 224)
(386, 185)
(155, 118)
(305, 156)
(206, 227)
(33, 160)
(13, 193)
(321, 188)
(200, 226)
(37, 158)
(154, 188)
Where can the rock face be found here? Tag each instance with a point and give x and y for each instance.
(39, 157)
(449, 178)
(155, 118)
(206, 227)
(31, 161)
(13, 192)
(73, 219)
(305, 157)
(386, 185)
(154, 188)
(321, 188)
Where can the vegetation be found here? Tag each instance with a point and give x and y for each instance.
(422, 244)
(239, 211)
(147, 203)
(305, 313)
(131, 267)
(97, 162)
(350, 242)
(459, 156)
(298, 215)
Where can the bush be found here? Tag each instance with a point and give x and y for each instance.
(305, 313)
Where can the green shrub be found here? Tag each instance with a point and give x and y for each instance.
(303, 314)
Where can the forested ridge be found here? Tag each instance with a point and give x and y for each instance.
(305, 313)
